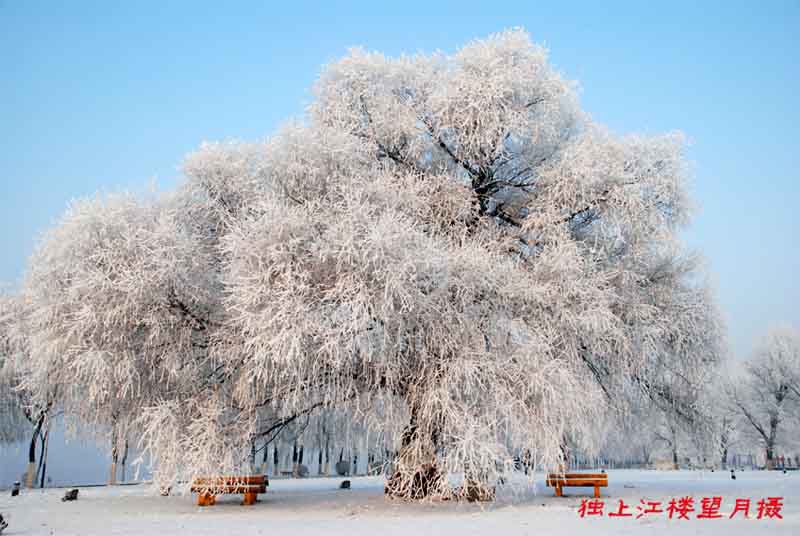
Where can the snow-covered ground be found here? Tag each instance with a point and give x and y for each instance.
(316, 506)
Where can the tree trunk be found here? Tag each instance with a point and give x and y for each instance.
(565, 455)
(112, 471)
(124, 457)
(264, 460)
(326, 471)
(45, 444)
(42, 438)
(770, 443)
(475, 487)
(31, 477)
(416, 475)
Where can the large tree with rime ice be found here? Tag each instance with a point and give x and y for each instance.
(447, 249)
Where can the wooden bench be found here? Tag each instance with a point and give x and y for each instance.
(563, 480)
(209, 488)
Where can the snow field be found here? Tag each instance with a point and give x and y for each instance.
(316, 506)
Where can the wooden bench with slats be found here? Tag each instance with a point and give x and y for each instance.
(563, 480)
(209, 487)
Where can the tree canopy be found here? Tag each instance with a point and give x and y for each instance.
(447, 249)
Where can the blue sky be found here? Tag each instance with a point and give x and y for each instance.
(110, 95)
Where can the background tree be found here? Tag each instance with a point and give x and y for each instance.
(766, 392)
(107, 326)
(27, 412)
(723, 431)
(14, 412)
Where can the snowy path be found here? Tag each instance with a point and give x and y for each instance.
(316, 506)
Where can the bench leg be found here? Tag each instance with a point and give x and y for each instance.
(206, 499)
(250, 498)
(597, 492)
(558, 491)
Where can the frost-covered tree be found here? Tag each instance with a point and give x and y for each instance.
(728, 436)
(766, 394)
(110, 290)
(783, 351)
(14, 415)
(669, 433)
(655, 436)
(448, 251)
(25, 412)
(721, 429)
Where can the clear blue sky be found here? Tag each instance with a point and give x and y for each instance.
(108, 95)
